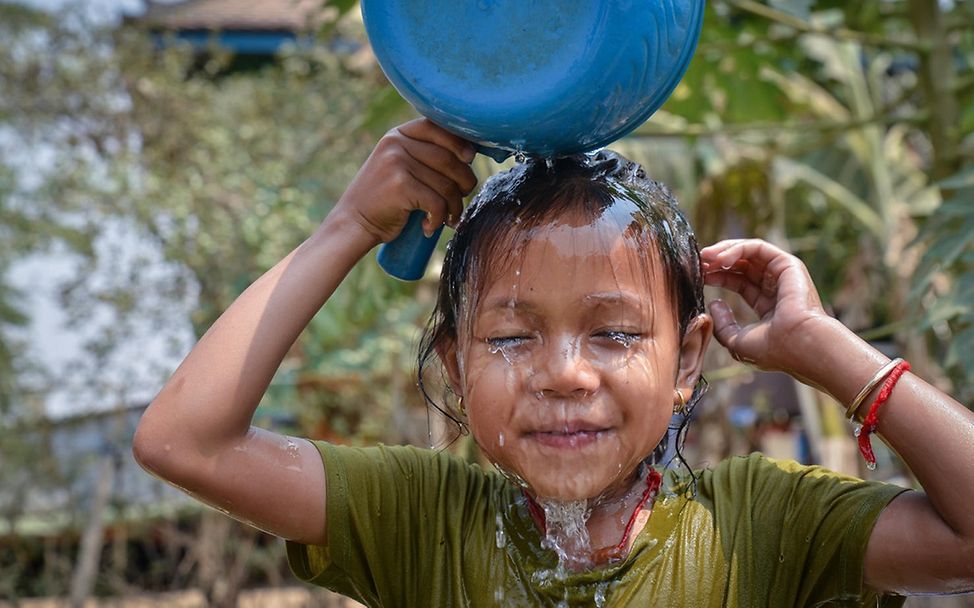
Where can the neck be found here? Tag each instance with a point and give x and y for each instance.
(612, 524)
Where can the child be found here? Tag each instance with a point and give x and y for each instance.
(570, 327)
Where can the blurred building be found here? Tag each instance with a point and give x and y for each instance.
(256, 28)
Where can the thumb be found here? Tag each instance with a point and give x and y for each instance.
(726, 328)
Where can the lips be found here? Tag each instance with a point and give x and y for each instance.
(570, 435)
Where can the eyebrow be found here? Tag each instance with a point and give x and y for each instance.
(593, 300)
(614, 298)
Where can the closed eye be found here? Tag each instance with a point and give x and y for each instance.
(507, 341)
(624, 338)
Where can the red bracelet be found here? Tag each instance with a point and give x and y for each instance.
(871, 420)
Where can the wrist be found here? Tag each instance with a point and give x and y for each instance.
(339, 224)
(835, 360)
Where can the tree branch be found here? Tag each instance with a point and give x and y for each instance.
(821, 126)
(840, 33)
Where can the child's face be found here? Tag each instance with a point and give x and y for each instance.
(569, 368)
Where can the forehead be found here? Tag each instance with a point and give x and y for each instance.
(602, 260)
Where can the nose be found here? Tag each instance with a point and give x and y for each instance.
(565, 371)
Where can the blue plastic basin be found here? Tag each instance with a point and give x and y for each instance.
(546, 77)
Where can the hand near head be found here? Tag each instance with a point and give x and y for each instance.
(777, 286)
(417, 165)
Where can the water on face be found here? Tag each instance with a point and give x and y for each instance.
(567, 533)
(503, 350)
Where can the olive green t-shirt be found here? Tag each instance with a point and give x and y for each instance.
(412, 527)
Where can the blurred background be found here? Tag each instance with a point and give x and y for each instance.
(156, 158)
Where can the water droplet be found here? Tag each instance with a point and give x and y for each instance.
(499, 349)
(622, 338)
(500, 534)
(167, 447)
(600, 592)
(781, 558)
(500, 439)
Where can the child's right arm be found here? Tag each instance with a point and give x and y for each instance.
(197, 434)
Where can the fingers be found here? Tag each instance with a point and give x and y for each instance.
(725, 253)
(426, 130)
(447, 208)
(760, 296)
(729, 333)
(726, 328)
(441, 162)
(427, 168)
(424, 197)
(755, 269)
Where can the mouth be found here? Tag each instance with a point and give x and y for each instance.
(569, 437)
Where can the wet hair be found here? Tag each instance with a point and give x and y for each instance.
(534, 193)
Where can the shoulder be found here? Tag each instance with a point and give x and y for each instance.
(408, 471)
(757, 471)
(758, 487)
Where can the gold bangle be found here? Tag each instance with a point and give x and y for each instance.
(850, 413)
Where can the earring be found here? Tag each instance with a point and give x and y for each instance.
(680, 407)
(463, 410)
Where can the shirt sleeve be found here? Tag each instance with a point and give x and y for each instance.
(796, 535)
(393, 514)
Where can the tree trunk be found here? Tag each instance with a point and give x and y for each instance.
(938, 79)
(223, 550)
(89, 554)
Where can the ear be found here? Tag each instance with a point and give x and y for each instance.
(446, 350)
(692, 351)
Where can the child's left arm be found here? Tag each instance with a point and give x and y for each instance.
(922, 543)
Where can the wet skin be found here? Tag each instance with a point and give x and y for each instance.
(571, 361)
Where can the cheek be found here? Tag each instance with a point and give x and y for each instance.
(489, 375)
(644, 386)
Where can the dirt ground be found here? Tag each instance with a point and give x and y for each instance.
(944, 601)
(290, 597)
(298, 597)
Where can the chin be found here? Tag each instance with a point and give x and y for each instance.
(570, 486)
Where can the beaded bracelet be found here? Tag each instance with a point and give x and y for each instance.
(872, 419)
(884, 371)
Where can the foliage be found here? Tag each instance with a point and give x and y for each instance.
(818, 124)
(834, 127)
(945, 284)
(222, 172)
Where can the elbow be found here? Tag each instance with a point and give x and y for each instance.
(146, 447)
(967, 559)
(957, 569)
(152, 448)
